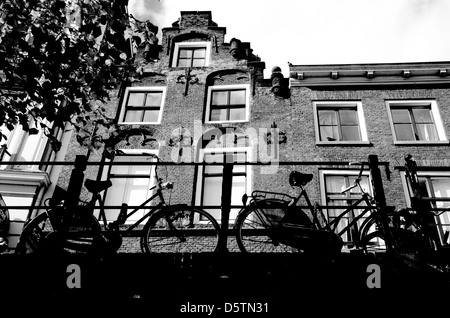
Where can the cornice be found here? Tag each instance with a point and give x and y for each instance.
(392, 74)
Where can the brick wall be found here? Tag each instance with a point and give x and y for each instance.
(292, 114)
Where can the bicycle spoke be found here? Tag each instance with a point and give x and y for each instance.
(182, 230)
(253, 235)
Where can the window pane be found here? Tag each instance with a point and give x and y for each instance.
(132, 169)
(350, 133)
(153, 99)
(213, 158)
(185, 53)
(151, 116)
(364, 184)
(184, 63)
(441, 187)
(237, 97)
(133, 116)
(218, 115)
(198, 62)
(327, 117)
(422, 115)
(237, 191)
(348, 117)
(427, 132)
(30, 149)
(400, 115)
(239, 157)
(335, 184)
(212, 194)
(237, 114)
(404, 132)
(220, 98)
(200, 53)
(329, 132)
(136, 99)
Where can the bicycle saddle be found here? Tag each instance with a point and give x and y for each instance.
(299, 179)
(97, 186)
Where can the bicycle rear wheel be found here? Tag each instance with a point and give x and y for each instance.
(33, 235)
(81, 235)
(180, 230)
(253, 234)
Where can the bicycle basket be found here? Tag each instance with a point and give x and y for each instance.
(276, 209)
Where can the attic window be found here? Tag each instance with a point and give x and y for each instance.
(191, 54)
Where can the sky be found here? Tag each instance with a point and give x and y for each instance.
(309, 32)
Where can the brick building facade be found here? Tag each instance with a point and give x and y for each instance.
(200, 99)
(213, 94)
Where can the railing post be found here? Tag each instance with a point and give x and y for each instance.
(380, 197)
(225, 202)
(76, 181)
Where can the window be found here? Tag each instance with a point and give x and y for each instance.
(22, 146)
(130, 183)
(228, 103)
(333, 182)
(436, 185)
(415, 122)
(19, 188)
(339, 122)
(210, 178)
(143, 105)
(191, 54)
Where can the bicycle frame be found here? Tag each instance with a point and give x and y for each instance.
(332, 226)
(123, 215)
(353, 224)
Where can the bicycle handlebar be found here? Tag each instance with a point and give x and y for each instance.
(358, 179)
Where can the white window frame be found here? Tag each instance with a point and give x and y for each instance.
(182, 45)
(249, 173)
(434, 112)
(112, 215)
(340, 172)
(407, 191)
(344, 104)
(143, 89)
(227, 88)
(17, 139)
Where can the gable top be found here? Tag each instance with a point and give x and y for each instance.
(194, 18)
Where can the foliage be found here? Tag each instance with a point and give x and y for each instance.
(59, 59)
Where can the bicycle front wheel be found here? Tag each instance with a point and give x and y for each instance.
(180, 230)
(254, 235)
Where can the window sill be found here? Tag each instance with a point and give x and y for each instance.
(174, 68)
(344, 143)
(139, 123)
(226, 122)
(422, 143)
(35, 178)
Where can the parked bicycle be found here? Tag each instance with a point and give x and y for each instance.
(4, 225)
(273, 222)
(419, 225)
(169, 228)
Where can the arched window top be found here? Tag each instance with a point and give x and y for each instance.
(224, 137)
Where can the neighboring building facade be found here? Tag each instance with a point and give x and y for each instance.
(348, 112)
(201, 99)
